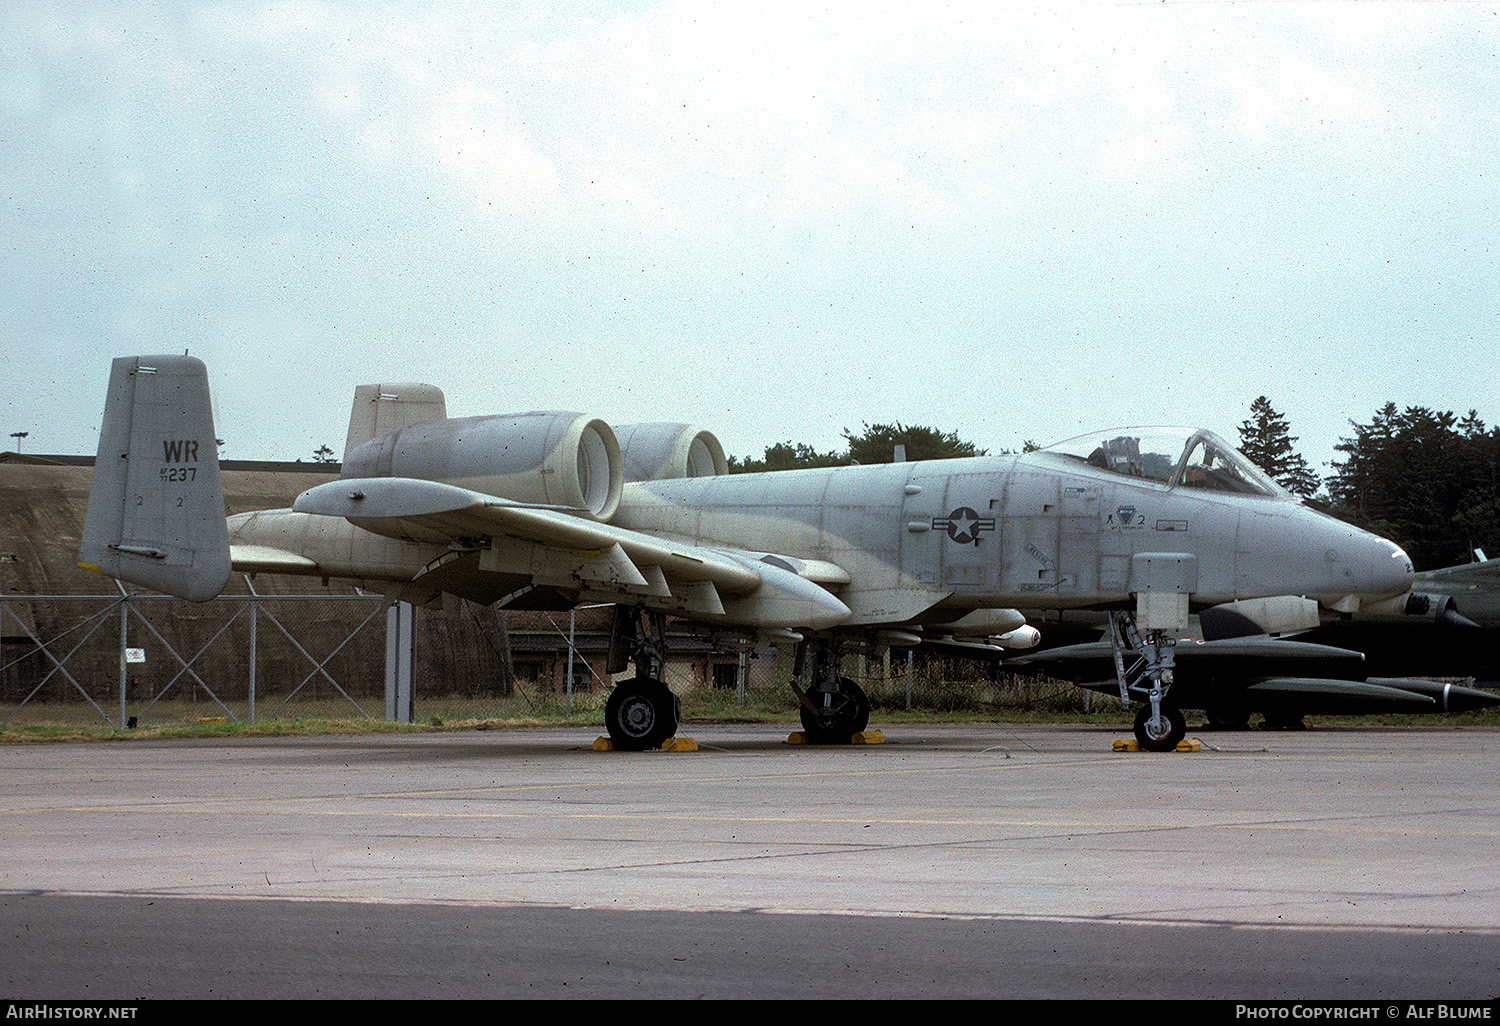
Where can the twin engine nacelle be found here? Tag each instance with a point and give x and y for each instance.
(662, 452)
(565, 460)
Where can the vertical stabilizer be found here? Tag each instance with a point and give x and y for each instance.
(381, 409)
(156, 508)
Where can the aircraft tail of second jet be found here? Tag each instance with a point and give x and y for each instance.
(156, 507)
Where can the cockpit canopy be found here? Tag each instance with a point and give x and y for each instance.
(1173, 456)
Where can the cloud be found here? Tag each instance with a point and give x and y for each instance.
(467, 139)
(776, 219)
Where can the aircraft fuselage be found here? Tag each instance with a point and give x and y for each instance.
(923, 540)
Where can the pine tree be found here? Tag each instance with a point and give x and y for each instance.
(1267, 441)
(787, 456)
(877, 443)
(1424, 478)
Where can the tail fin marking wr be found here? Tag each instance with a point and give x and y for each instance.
(156, 507)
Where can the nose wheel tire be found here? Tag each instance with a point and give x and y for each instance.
(641, 714)
(1160, 736)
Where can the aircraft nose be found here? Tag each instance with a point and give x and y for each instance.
(1374, 571)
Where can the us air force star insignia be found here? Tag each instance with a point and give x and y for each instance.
(964, 525)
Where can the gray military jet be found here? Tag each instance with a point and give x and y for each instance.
(546, 510)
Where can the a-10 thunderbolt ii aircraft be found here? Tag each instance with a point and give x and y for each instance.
(547, 510)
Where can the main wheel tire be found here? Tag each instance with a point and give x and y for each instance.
(640, 714)
(1282, 719)
(1152, 737)
(1228, 715)
(842, 715)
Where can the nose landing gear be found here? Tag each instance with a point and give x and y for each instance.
(1161, 731)
(1160, 725)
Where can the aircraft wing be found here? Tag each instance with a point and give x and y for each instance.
(267, 559)
(551, 544)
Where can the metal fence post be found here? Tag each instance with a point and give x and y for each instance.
(124, 645)
(572, 660)
(399, 637)
(254, 629)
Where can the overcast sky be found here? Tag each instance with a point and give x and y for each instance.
(1016, 221)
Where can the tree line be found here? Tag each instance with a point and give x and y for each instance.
(1427, 480)
(875, 444)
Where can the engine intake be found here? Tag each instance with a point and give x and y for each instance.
(661, 452)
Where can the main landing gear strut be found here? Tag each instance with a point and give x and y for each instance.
(1159, 725)
(833, 708)
(641, 713)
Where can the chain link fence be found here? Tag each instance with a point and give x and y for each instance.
(133, 660)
